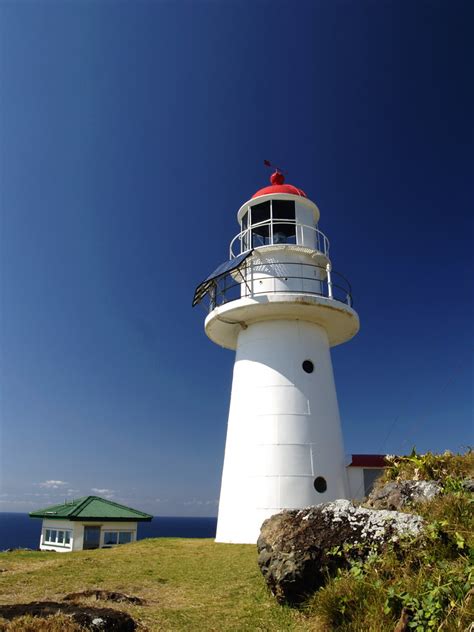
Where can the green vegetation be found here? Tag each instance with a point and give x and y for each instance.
(431, 579)
(446, 468)
(187, 584)
(200, 585)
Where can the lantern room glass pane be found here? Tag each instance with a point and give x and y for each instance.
(283, 209)
(260, 234)
(283, 232)
(260, 212)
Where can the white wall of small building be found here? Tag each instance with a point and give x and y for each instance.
(77, 533)
(355, 479)
(357, 482)
(59, 525)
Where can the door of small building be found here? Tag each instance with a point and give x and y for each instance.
(91, 537)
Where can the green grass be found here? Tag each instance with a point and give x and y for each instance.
(188, 584)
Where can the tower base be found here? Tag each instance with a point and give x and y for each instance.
(284, 446)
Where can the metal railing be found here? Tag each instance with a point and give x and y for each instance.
(254, 236)
(252, 280)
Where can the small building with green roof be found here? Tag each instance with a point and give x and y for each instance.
(89, 522)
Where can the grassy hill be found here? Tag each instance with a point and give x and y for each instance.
(187, 584)
(198, 585)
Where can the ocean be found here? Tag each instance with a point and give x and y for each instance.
(18, 530)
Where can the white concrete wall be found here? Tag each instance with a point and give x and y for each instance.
(59, 525)
(278, 270)
(77, 529)
(357, 480)
(355, 477)
(104, 526)
(283, 429)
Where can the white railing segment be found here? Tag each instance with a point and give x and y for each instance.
(242, 242)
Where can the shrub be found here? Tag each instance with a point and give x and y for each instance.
(429, 579)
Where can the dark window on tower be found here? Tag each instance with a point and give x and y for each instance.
(260, 234)
(283, 232)
(320, 484)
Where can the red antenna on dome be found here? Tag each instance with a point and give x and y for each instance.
(277, 177)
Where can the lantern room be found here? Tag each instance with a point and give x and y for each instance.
(280, 214)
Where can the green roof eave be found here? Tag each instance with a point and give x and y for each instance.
(107, 519)
(92, 508)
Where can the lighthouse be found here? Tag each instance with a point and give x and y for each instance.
(280, 305)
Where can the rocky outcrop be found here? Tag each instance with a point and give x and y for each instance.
(398, 495)
(296, 548)
(88, 617)
(468, 484)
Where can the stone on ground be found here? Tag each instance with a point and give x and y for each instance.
(398, 495)
(296, 547)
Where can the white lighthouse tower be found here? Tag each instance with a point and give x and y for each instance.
(278, 303)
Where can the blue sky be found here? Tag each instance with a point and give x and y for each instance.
(131, 132)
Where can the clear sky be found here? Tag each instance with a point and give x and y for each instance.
(131, 132)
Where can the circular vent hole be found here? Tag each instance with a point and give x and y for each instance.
(320, 484)
(308, 366)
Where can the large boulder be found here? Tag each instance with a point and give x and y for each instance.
(296, 547)
(398, 495)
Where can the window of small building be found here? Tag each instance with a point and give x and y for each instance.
(57, 536)
(111, 538)
(125, 537)
(370, 476)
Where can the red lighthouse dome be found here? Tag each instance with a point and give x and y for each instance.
(278, 185)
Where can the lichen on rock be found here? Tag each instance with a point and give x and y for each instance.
(398, 495)
(295, 545)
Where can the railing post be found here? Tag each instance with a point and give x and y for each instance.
(212, 296)
(328, 271)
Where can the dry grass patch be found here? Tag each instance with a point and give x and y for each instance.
(186, 584)
(58, 623)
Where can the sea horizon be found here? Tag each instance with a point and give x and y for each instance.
(19, 531)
